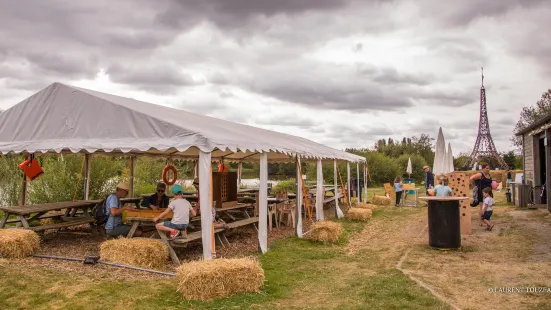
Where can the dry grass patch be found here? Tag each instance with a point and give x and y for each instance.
(147, 253)
(218, 278)
(357, 214)
(18, 243)
(326, 231)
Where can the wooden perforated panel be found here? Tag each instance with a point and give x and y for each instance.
(459, 183)
(224, 187)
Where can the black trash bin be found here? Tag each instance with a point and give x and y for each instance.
(444, 222)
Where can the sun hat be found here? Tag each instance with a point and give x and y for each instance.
(123, 186)
(177, 189)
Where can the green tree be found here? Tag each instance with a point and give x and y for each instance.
(510, 159)
(417, 163)
(530, 115)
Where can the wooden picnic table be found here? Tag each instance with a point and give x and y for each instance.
(28, 213)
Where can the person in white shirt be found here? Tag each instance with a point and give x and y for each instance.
(486, 209)
(181, 210)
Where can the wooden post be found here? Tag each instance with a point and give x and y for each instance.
(547, 166)
(23, 191)
(23, 197)
(131, 178)
(87, 163)
(358, 181)
(459, 183)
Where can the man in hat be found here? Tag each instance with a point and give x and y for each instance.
(429, 179)
(158, 200)
(114, 226)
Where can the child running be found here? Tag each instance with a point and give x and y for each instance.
(486, 209)
(181, 209)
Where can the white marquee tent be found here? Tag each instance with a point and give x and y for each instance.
(68, 119)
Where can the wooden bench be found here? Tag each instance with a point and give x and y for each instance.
(244, 222)
(331, 199)
(64, 224)
(47, 216)
(193, 236)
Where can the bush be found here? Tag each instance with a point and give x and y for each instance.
(382, 169)
(288, 186)
(417, 164)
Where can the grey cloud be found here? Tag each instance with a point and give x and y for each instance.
(155, 77)
(462, 13)
(389, 75)
(238, 13)
(284, 120)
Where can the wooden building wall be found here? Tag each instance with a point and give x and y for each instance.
(529, 163)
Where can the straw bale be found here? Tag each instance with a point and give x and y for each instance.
(141, 252)
(364, 205)
(218, 278)
(358, 214)
(326, 231)
(18, 243)
(381, 200)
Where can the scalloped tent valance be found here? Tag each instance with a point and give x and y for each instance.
(63, 118)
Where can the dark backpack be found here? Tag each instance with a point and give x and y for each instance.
(100, 212)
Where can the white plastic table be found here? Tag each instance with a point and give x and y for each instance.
(412, 202)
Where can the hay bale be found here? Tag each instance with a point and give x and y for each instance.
(326, 231)
(18, 243)
(357, 214)
(218, 278)
(364, 205)
(146, 253)
(381, 200)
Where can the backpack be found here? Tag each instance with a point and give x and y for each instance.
(100, 212)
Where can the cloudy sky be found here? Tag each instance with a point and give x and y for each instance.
(340, 72)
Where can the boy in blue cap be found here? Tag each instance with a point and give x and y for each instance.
(181, 210)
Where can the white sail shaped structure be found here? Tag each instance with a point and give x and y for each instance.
(439, 154)
(451, 168)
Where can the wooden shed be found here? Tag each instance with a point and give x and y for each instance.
(536, 151)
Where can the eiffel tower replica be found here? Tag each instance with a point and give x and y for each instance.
(484, 145)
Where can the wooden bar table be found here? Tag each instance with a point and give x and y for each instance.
(444, 222)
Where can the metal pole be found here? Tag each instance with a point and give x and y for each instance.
(24, 188)
(358, 181)
(298, 215)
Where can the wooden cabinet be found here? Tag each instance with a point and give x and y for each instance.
(224, 187)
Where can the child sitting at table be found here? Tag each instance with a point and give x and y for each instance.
(442, 189)
(181, 209)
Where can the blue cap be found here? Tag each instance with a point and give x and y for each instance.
(177, 189)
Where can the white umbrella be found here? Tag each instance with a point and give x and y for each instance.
(475, 165)
(446, 164)
(439, 154)
(409, 170)
(450, 155)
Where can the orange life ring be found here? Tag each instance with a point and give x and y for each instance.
(165, 174)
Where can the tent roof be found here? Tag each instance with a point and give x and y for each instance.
(63, 118)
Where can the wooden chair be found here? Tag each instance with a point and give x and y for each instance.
(289, 209)
(273, 212)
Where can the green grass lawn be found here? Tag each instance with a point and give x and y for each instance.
(299, 274)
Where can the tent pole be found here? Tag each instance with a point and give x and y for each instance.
(320, 190)
(358, 181)
(205, 168)
(87, 163)
(23, 196)
(131, 181)
(338, 210)
(348, 182)
(365, 182)
(263, 205)
(298, 209)
(239, 173)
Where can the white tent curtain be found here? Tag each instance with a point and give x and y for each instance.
(239, 173)
(358, 180)
(298, 217)
(263, 205)
(319, 192)
(340, 214)
(205, 202)
(348, 183)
